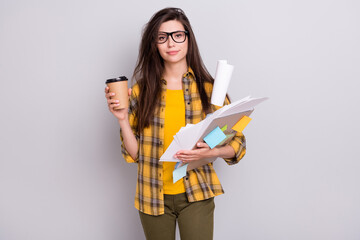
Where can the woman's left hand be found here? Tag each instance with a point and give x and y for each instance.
(202, 151)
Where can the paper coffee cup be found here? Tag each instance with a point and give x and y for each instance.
(119, 86)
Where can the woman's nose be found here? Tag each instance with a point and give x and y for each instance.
(170, 42)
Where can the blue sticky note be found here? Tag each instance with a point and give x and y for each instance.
(179, 173)
(214, 137)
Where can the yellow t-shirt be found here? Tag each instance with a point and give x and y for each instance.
(174, 120)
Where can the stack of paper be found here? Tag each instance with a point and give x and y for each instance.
(187, 137)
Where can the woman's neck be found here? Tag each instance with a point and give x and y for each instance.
(173, 74)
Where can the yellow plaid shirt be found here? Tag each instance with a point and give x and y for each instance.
(201, 183)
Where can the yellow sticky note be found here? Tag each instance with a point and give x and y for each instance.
(224, 128)
(241, 124)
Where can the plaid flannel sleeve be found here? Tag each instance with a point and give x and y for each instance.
(238, 143)
(133, 125)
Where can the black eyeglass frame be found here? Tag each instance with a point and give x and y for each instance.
(171, 34)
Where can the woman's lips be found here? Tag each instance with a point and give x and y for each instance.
(172, 52)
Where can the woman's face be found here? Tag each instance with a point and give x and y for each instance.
(171, 51)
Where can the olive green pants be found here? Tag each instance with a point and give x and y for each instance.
(195, 219)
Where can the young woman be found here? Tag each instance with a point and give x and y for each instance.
(173, 88)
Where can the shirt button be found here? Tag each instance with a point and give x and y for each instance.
(188, 103)
(159, 174)
(160, 142)
(186, 178)
(186, 89)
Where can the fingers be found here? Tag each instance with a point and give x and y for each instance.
(112, 101)
(187, 159)
(202, 145)
(183, 152)
(184, 156)
(112, 106)
(109, 95)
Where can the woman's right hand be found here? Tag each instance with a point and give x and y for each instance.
(120, 114)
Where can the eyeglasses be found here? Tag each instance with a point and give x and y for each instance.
(178, 36)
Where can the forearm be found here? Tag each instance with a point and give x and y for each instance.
(129, 138)
(224, 152)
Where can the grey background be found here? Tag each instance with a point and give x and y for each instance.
(61, 172)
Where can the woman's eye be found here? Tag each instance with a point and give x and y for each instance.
(178, 35)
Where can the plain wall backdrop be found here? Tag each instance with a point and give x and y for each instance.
(62, 175)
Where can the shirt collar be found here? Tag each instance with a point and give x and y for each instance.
(188, 75)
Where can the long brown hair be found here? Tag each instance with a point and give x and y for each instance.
(150, 66)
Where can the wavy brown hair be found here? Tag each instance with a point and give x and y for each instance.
(150, 66)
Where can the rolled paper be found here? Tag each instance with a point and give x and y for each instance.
(222, 79)
(220, 65)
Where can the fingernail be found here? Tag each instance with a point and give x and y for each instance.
(117, 104)
(117, 101)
